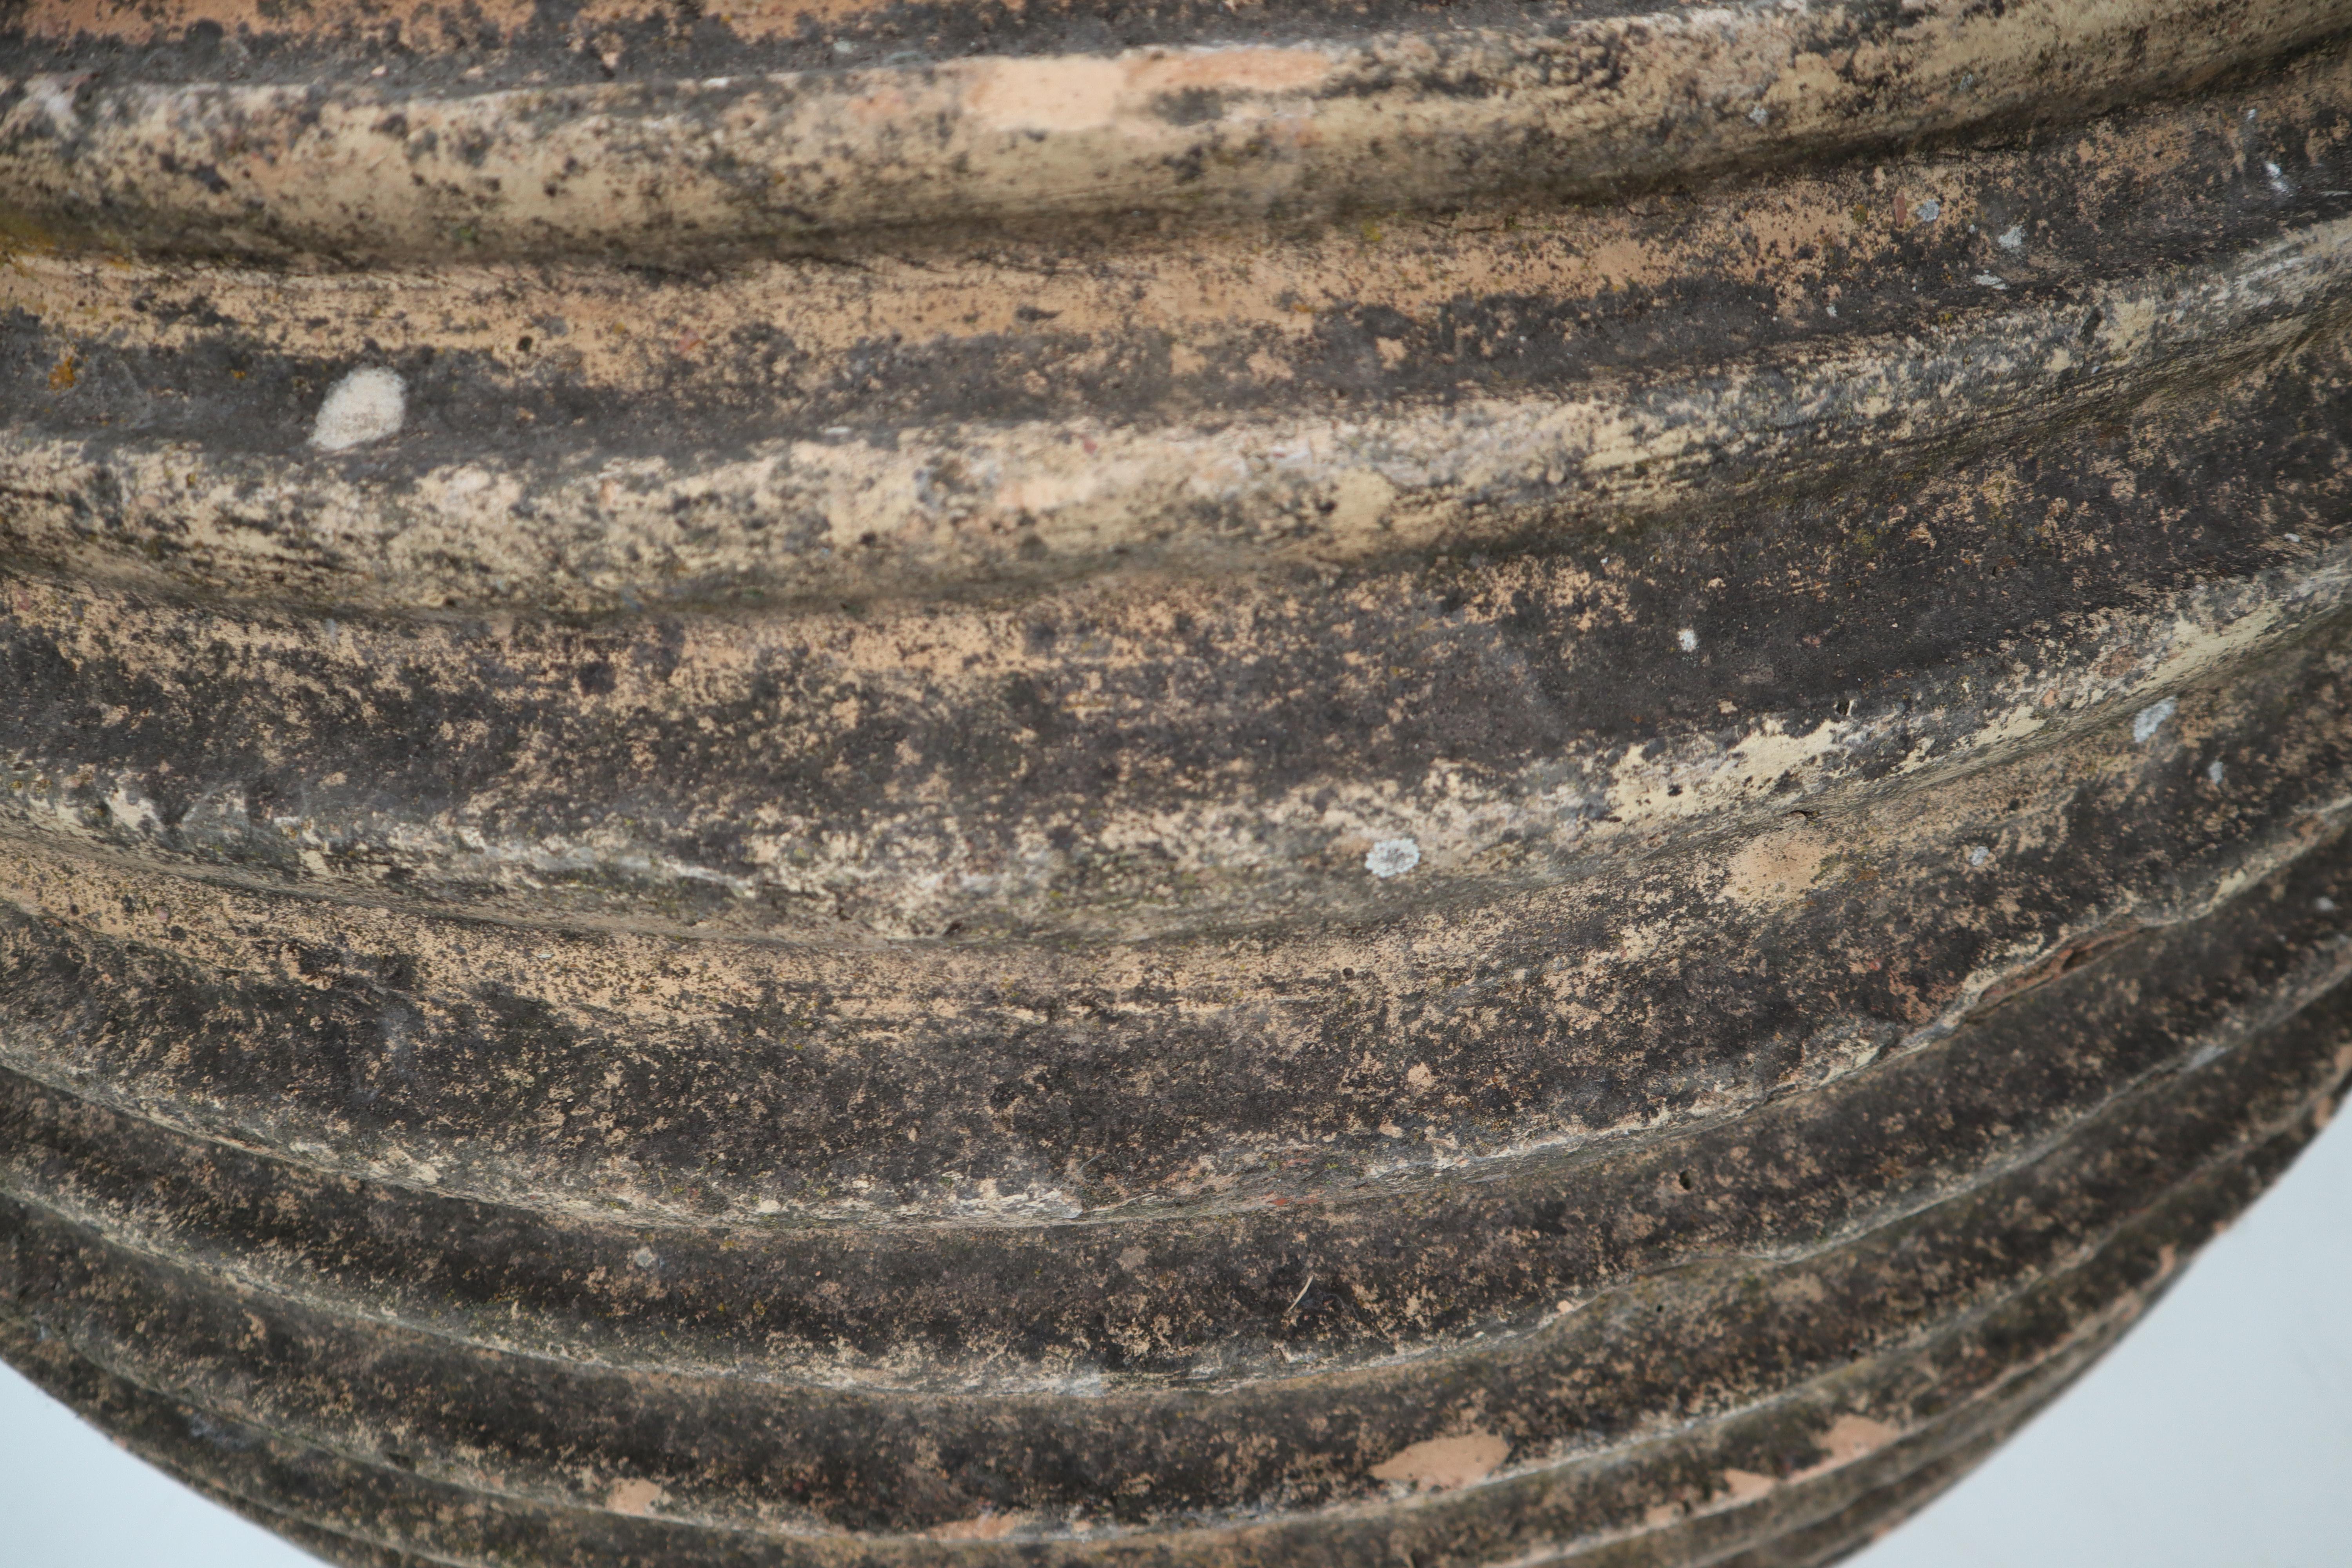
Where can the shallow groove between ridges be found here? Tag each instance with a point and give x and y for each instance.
(2291, 991)
(1846, 1387)
(2311, 1053)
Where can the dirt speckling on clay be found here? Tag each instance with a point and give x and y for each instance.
(826, 785)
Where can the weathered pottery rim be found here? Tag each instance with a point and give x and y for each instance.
(669, 173)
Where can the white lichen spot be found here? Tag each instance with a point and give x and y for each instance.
(1990, 280)
(767, 1206)
(643, 1257)
(1687, 640)
(366, 406)
(1978, 855)
(54, 97)
(2324, 904)
(1759, 115)
(1392, 857)
(2278, 178)
(1930, 210)
(2213, 769)
(2011, 238)
(2151, 718)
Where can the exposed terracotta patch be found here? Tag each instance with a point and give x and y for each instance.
(2073, 955)
(983, 1527)
(1850, 1438)
(635, 1497)
(1777, 866)
(1440, 1463)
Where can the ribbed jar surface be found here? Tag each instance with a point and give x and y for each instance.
(1133, 784)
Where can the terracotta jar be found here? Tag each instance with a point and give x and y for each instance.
(1141, 784)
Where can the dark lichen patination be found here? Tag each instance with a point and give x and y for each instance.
(1088, 785)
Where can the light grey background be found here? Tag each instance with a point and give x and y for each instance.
(2218, 1434)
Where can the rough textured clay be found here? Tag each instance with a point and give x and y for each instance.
(1112, 784)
